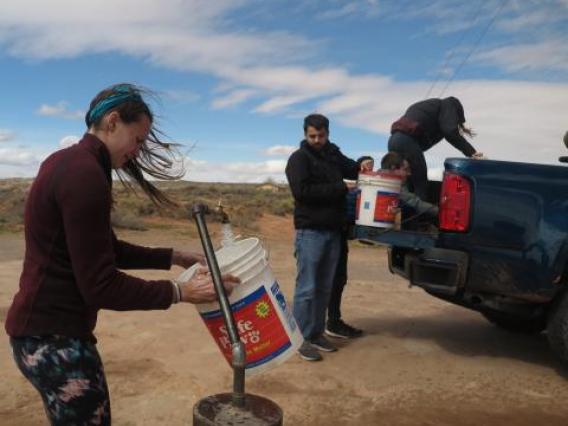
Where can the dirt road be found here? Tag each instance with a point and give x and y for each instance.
(421, 361)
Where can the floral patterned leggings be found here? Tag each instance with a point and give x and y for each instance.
(68, 374)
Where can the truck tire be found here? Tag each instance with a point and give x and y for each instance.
(557, 328)
(515, 324)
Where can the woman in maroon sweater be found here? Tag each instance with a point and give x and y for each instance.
(72, 260)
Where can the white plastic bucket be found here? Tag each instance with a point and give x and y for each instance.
(263, 318)
(378, 199)
(240, 269)
(238, 253)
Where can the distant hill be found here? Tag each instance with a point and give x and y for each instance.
(244, 203)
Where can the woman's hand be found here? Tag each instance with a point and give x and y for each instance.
(367, 165)
(350, 184)
(185, 259)
(200, 289)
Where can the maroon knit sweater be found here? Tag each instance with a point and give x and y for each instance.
(72, 255)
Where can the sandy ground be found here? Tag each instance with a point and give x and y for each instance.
(421, 362)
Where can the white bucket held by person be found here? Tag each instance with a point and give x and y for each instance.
(378, 199)
(263, 318)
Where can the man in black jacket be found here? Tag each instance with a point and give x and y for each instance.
(315, 173)
(422, 126)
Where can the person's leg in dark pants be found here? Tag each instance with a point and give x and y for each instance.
(339, 281)
(409, 148)
(336, 327)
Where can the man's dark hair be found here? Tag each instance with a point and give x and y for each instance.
(392, 160)
(363, 158)
(317, 121)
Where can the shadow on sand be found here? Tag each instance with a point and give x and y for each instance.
(467, 337)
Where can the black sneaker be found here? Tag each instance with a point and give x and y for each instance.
(308, 352)
(323, 344)
(342, 330)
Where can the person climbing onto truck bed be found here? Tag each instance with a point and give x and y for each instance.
(422, 126)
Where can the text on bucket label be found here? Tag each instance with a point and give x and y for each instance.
(258, 325)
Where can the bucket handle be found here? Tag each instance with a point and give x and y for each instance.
(264, 242)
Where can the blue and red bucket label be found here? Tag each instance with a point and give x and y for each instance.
(259, 327)
(386, 205)
(275, 289)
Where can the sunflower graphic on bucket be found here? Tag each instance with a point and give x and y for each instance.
(262, 309)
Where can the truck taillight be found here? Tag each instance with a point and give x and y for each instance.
(455, 202)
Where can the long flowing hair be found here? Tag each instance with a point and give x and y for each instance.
(465, 130)
(156, 158)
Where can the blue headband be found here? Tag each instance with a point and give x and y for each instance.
(121, 94)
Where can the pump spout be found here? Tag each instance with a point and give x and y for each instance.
(222, 213)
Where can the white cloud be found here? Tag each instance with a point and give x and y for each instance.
(457, 15)
(281, 103)
(263, 167)
(280, 150)
(528, 25)
(233, 98)
(365, 8)
(20, 157)
(253, 172)
(515, 120)
(6, 135)
(60, 110)
(534, 15)
(181, 95)
(545, 55)
(68, 141)
(187, 35)
(197, 165)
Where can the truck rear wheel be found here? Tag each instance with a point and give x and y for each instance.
(557, 328)
(516, 324)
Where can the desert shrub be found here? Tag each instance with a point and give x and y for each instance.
(146, 209)
(244, 203)
(126, 220)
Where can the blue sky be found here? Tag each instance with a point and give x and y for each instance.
(235, 77)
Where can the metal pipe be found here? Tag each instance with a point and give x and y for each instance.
(238, 348)
(239, 362)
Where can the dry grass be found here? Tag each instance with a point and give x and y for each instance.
(13, 194)
(245, 204)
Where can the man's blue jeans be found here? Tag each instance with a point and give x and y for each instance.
(317, 254)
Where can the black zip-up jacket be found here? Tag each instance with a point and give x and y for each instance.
(316, 181)
(432, 120)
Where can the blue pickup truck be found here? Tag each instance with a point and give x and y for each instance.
(501, 247)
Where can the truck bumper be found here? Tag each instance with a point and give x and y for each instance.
(436, 270)
(414, 256)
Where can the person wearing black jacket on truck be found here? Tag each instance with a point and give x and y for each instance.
(315, 173)
(422, 126)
